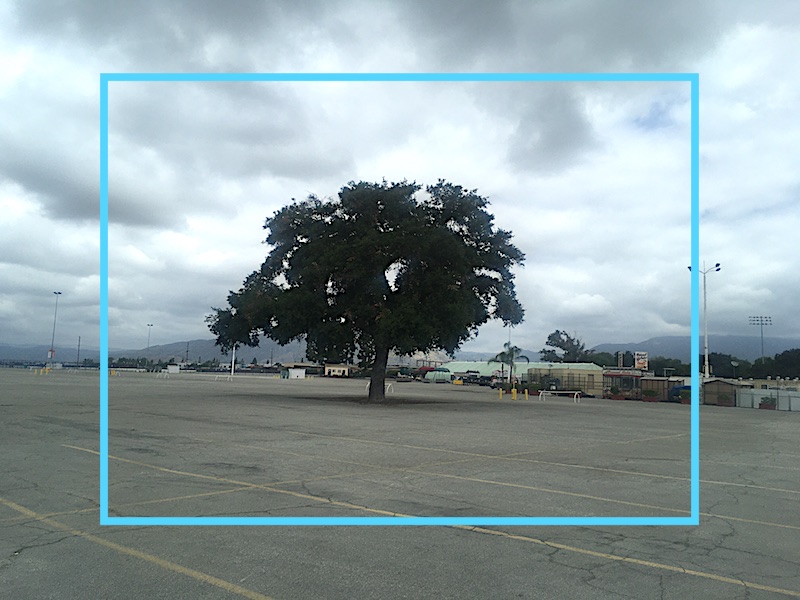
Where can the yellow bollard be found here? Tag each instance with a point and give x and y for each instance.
(526, 394)
(513, 393)
(501, 393)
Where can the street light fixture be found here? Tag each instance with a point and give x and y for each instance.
(761, 321)
(716, 267)
(52, 353)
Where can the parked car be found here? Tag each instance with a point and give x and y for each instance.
(472, 377)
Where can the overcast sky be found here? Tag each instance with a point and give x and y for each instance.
(592, 179)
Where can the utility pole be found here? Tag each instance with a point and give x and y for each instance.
(761, 321)
(52, 353)
(716, 267)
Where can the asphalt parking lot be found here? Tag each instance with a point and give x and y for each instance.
(196, 445)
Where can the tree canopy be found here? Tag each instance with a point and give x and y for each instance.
(381, 268)
(571, 348)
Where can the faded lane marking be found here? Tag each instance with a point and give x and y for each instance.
(634, 561)
(271, 487)
(150, 558)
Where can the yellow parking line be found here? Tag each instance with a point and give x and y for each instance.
(515, 457)
(417, 470)
(754, 522)
(738, 464)
(575, 549)
(187, 497)
(164, 564)
(655, 475)
(635, 561)
(603, 499)
(128, 504)
(551, 491)
(267, 487)
(414, 470)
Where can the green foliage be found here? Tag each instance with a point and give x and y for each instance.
(787, 364)
(572, 349)
(721, 365)
(604, 359)
(669, 366)
(376, 270)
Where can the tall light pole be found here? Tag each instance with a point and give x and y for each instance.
(149, 327)
(52, 352)
(761, 321)
(716, 267)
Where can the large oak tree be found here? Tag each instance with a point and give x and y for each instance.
(384, 267)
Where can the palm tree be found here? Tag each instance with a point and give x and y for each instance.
(508, 356)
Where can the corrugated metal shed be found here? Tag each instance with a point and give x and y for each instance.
(482, 367)
(520, 367)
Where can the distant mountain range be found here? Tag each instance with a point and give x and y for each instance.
(198, 350)
(205, 349)
(678, 347)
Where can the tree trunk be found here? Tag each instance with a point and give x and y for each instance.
(377, 382)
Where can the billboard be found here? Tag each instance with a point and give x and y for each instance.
(640, 360)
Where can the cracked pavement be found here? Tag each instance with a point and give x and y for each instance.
(189, 446)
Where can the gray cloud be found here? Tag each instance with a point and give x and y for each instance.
(183, 35)
(620, 35)
(168, 145)
(553, 132)
(64, 183)
(50, 149)
(591, 178)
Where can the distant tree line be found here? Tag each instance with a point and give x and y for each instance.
(156, 365)
(562, 347)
